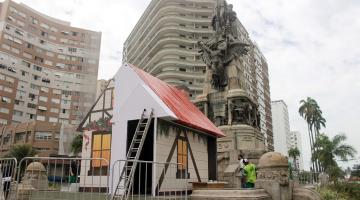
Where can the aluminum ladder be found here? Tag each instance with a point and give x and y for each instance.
(132, 157)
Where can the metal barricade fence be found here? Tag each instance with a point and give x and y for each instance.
(7, 175)
(152, 180)
(41, 178)
(307, 178)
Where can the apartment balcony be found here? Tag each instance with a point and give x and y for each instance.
(180, 75)
(173, 52)
(158, 29)
(157, 11)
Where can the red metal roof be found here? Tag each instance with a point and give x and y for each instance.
(180, 104)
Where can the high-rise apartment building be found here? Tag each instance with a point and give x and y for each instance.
(164, 43)
(295, 142)
(48, 69)
(280, 119)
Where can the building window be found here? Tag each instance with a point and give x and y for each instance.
(31, 105)
(39, 59)
(57, 101)
(7, 139)
(7, 89)
(43, 136)
(101, 147)
(54, 110)
(3, 122)
(30, 116)
(19, 137)
(40, 118)
(33, 20)
(182, 158)
(4, 110)
(53, 119)
(43, 99)
(72, 49)
(37, 68)
(17, 113)
(45, 34)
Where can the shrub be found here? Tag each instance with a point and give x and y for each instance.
(340, 191)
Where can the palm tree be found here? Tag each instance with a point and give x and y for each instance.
(311, 112)
(328, 150)
(294, 152)
(318, 121)
(21, 151)
(76, 144)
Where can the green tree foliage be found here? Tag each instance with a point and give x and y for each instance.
(76, 144)
(21, 151)
(294, 153)
(328, 150)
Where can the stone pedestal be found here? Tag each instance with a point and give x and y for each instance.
(273, 176)
(34, 179)
(232, 110)
(240, 139)
(35, 175)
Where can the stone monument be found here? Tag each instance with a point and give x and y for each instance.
(35, 175)
(34, 179)
(272, 184)
(225, 100)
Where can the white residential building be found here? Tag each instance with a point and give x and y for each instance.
(281, 127)
(295, 141)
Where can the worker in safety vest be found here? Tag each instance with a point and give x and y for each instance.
(250, 173)
(241, 170)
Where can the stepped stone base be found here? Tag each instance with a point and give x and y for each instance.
(230, 194)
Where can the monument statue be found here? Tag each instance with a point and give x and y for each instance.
(225, 100)
(225, 46)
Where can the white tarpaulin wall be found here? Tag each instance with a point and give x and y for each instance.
(132, 96)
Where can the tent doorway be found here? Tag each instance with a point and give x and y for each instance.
(143, 174)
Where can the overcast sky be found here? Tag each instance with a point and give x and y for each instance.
(312, 48)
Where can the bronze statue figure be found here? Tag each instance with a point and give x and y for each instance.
(218, 52)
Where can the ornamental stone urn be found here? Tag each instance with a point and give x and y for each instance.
(273, 177)
(35, 175)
